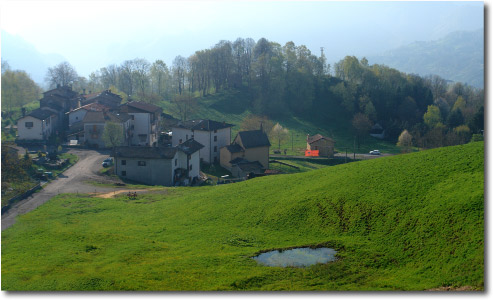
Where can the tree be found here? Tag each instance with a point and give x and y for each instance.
(18, 89)
(362, 126)
(183, 105)
(463, 132)
(279, 133)
(112, 134)
(253, 122)
(432, 116)
(405, 141)
(61, 74)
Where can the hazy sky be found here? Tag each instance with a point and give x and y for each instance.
(93, 34)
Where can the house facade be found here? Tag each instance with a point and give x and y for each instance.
(211, 134)
(248, 146)
(166, 166)
(324, 145)
(39, 125)
(94, 124)
(145, 122)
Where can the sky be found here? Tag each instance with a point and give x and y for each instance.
(93, 34)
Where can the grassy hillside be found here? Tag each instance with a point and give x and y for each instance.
(406, 222)
(233, 106)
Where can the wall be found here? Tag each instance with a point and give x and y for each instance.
(155, 172)
(91, 137)
(142, 125)
(260, 154)
(76, 116)
(206, 138)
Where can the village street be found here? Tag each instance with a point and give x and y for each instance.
(73, 180)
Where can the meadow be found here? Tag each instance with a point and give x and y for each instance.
(404, 222)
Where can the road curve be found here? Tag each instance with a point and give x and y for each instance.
(73, 180)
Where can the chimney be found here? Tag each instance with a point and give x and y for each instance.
(261, 126)
(83, 91)
(23, 111)
(78, 103)
(307, 137)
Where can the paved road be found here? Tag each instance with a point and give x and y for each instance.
(73, 180)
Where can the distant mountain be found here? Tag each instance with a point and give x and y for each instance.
(457, 57)
(22, 55)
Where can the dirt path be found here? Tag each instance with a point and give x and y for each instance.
(73, 180)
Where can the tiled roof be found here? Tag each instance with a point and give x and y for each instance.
(102, 117)
(234, 148)
(41, 114)
(190, 146)
(145, 152)
(92, 107)
(317, 137)
(203, 125)
(94, 117)
(254, 138)
(249, 166)
(147, 107)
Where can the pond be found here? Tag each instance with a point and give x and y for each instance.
(298, 257)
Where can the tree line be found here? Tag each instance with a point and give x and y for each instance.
(290, 80)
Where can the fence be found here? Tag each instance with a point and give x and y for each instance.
(19, 197)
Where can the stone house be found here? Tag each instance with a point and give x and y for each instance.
(248, 147)
(212, 134)
(324, 145)
(168, 166)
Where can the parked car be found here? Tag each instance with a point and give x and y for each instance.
(107, 162)
(375, 152)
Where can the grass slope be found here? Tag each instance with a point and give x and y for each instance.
(406, 222)
(232, 106)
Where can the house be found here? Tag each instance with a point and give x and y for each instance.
(76, 116)
(38, 125)
(145, 122)
(62, 99)
(242, 168)
(324, 145)
(166, 166)
(94, 123)
(213, 135)
(106, 98)
(248, 146)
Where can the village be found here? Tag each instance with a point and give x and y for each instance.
(149, 146)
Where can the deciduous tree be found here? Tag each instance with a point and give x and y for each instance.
(405, 141)
(61, 74)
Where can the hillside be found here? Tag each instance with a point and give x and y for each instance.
(458, 57)
(406, 222)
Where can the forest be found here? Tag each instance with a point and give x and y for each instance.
(284, 81)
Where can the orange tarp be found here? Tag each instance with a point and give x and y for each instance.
(311, 152)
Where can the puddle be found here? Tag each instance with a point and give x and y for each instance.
(298, 257)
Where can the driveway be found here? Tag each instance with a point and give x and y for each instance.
(73, 180)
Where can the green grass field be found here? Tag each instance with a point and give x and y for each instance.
(405, 222)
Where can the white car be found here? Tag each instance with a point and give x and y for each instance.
(375, 152)
(107, 162)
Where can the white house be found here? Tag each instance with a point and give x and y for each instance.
(145, 122)
(213, 135)
(38, 125)
(166, 166)
(76, 116)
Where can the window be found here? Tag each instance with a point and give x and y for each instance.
(124, 162)
(180, 141)
(215, 131)
(186, 137)
(29, 125)
(142, 138)
(176, 162)
(124, 173)
(190, 167)
(215, 148)
(141, 163)
(77, 118)
(215, 138)
(132, 117)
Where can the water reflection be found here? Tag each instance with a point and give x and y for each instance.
(298, 257)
